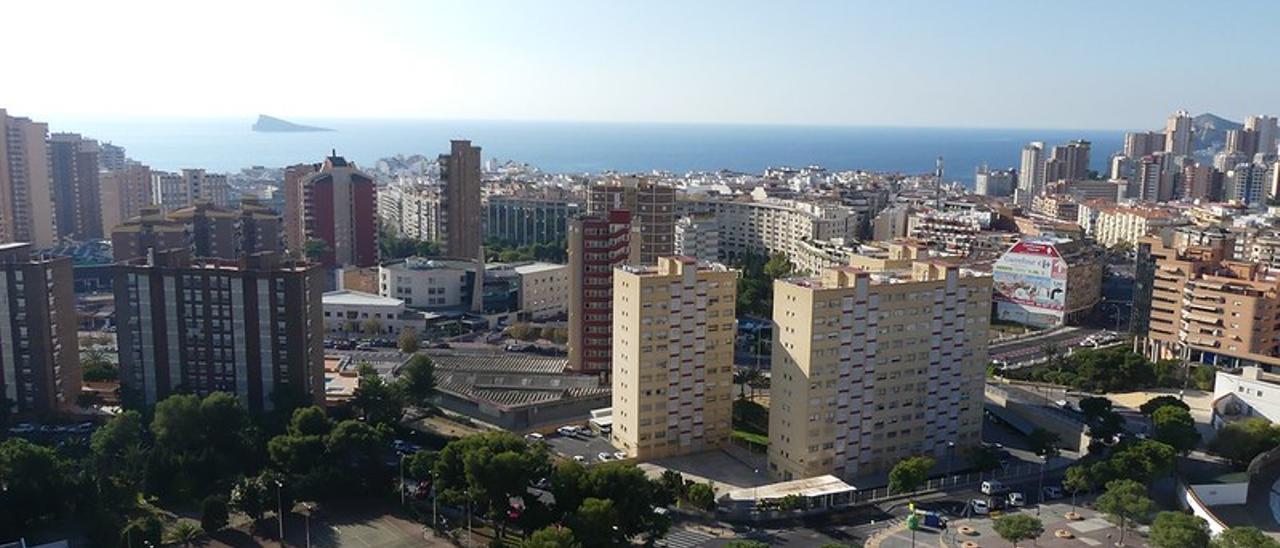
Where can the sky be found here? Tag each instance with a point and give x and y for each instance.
(1002, 64)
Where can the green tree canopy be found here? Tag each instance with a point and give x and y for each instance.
(1241, 441)
(1126, 503)
(594, 523)
(1175, 427)
(551, 537)
(408, 341)
(418, 376)
(909, 474)
(702, 496)
(1179, 530)
(1244, 537)
(1157, 402)
(1018, 527)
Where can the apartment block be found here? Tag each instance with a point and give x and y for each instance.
(26, 192)
(698, 236)
(253, 328)
(295, 227)
(39, 351)
(673, 334)
(125, 192)
(338, 207)
(524, 221)
(1194, 304)
(870, 367)
(597, 244)
(169, 191)
(73, 171)
(205, 229)
(460, 173)
(652, 206)
(776, 226)
(1117, 224)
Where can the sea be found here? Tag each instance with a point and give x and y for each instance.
(228, 144)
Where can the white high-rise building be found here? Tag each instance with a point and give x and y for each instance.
(698, 237)
(1264, 133)
(1031, 173)
(1178, 134)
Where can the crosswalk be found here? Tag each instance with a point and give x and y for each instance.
(684, 538)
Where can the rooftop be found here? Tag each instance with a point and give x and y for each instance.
(346, 297)
(808, 487)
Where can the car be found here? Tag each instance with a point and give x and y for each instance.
(993, 487)
(84, 427)
(405, 447)
(933, 519)
(22, 428)
(534, 436)
(1016, 499)
(1051, 492)
(570, 431)
(579, 459)
(440, 345)
(980, 507)
(604, 456)
(48, 429)
(364, 346)
(620, 455)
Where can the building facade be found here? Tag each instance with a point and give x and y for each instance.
(73, 171)
(339, 209)
(870, 368)
(673, 328)
(521, 221)
(597, 244)
(544, 290)
(652, 206)
(460, 173)
(26, 190)
(124, 193)
(698, 236)
(1047, 281)
(253, 328)
(39, 350)
(776, 226)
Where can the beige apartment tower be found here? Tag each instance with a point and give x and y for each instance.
(872, 367)
(26, 195)
(673, 329)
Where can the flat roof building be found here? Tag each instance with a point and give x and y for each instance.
(870, 367)
(673, 333)
(39, 350)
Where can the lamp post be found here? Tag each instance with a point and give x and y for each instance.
(280, 510)
(307, 509)
(951, 451)
(433, 500)
(401, 479)
(1043, 459)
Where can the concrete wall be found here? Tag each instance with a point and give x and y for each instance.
(1190, 500)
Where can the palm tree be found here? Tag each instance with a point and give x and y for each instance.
(184, 533)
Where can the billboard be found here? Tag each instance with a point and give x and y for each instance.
(1032, 276)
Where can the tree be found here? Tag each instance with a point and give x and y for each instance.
(119, 458)
(1126, 502)
(1044, 442)
(702, 496)
(249, 497)
(213, 513)
(1094, 407)
(1244, 537)
(1141, 461)
(1241, 441)
(487, 470)
(1175, 427)
(33, 484)
(378, 401)
(520, 331)
(673, 483)
(418, 376)
(184, 533)
(371, 327)
(142, 532)
(1077, 479)
(779, 266)
(551, 537)
(1157, 402)
(594, 523)
(408, 340)
(358, 449)
(909, 474)
(1179, 530)
(1018, 527)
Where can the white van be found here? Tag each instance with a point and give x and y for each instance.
(993, 487)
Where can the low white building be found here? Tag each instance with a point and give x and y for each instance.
(1250, 393)
(544, 290)
(347, 311)
(426, 283)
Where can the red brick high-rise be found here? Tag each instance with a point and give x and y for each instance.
(597, 244)
(338, 206)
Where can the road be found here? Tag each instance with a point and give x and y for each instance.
(1032, 348)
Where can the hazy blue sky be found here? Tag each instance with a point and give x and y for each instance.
(1079, 64)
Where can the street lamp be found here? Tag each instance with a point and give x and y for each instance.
(401, 479)
(307, 509)
(280, 510)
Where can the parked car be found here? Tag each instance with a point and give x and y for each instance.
(22, 428)
(534, 436)
(579, 459)
(1051, 492)
(365, 346)
(442, 345)
(980, 507)
(1015, 499)
(604, 456)
(993, 487)
(570, 431)
(932, 519)
(620, 455)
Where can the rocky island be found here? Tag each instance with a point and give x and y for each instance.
(270, 124)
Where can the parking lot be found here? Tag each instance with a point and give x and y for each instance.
(587, 447)
(383, 360)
